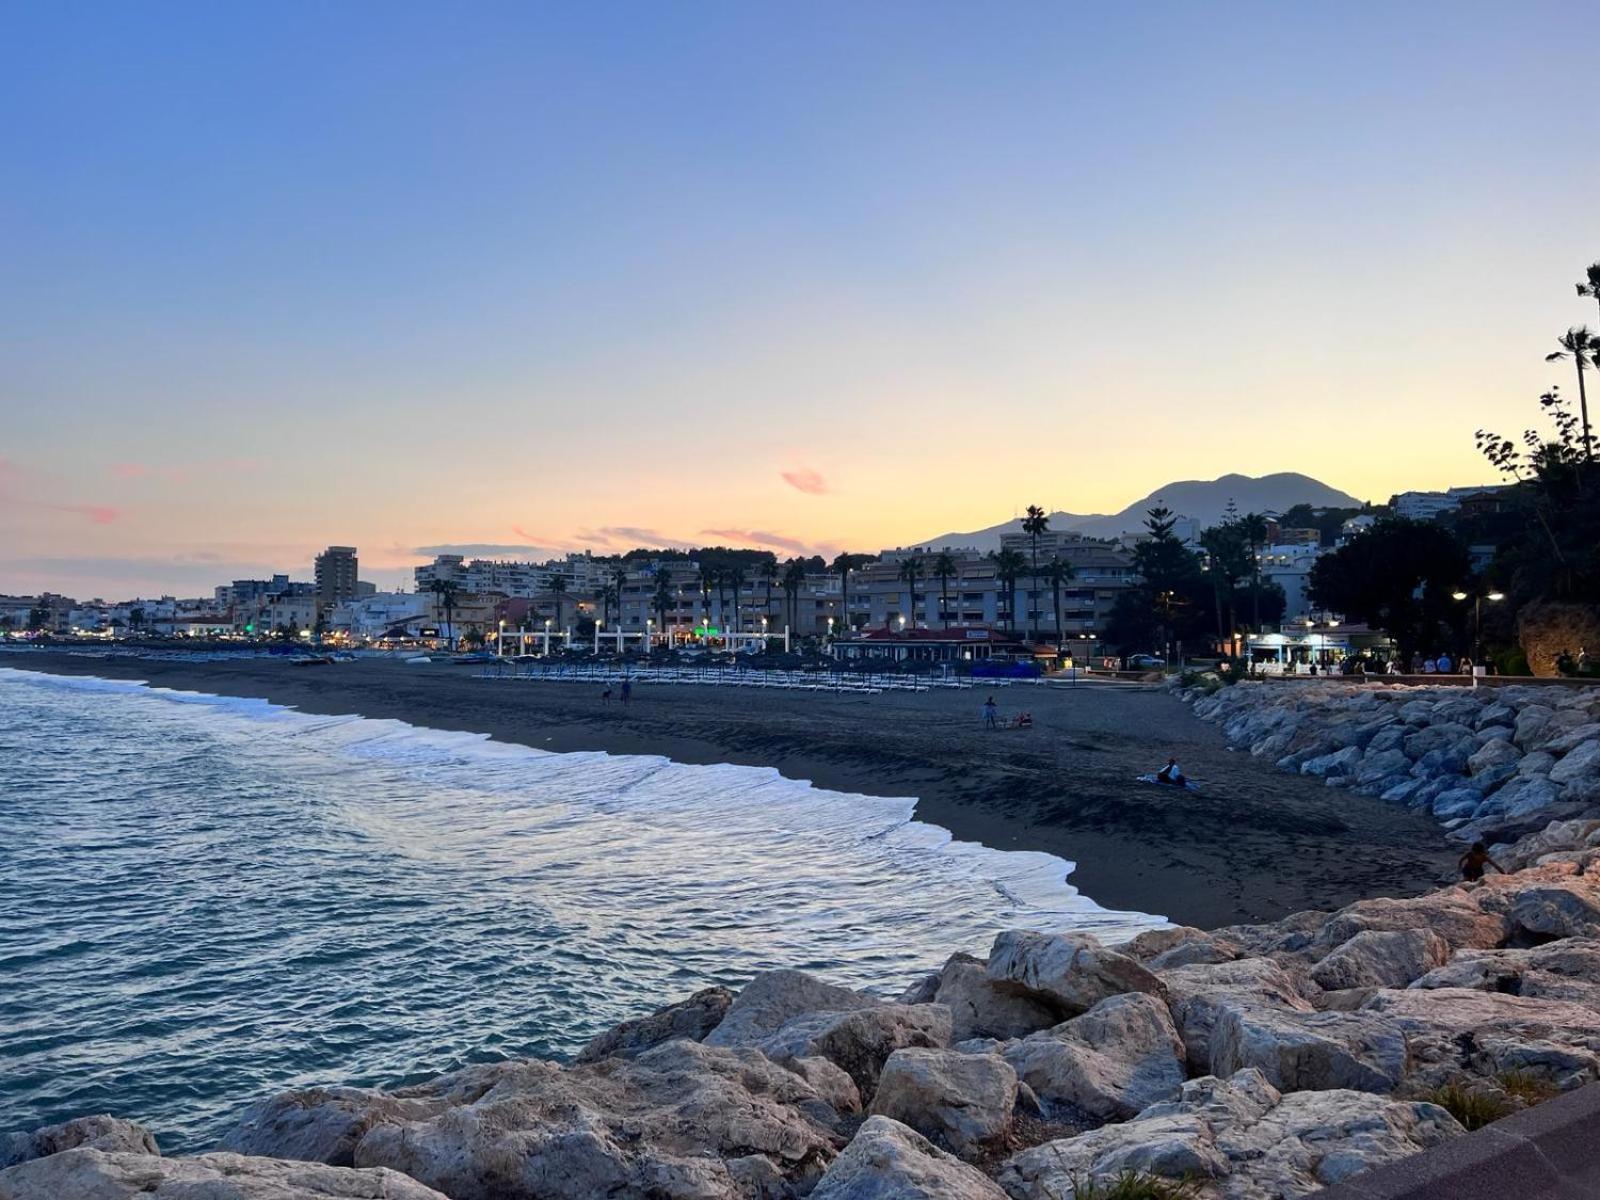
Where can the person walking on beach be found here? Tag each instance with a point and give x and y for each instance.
(627, 690)
(1474, 861)
(991, 713)
(605, 696)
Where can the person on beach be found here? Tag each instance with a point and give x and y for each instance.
(605, 696)
(1474, 861)
(1171, 773)
(991, 714)
(627, 690)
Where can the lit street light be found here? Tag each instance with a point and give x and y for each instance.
(1477, 618)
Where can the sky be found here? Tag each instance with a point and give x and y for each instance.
(522, 279)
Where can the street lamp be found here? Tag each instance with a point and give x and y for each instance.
(1477, 617)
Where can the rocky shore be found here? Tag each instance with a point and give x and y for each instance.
(1249, 1062)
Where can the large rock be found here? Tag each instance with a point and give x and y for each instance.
(773, 999)
(103, 1132)
(682, 1121)
(1334, 765)
(887, 1161)
(1199, 994)
(962, 1102)
(1556, 910)
(1455, 1031)
(1374, 958)
(1492, 754)
(1580, 766)
(980, 1008)
(1562, 970)
(1585, 734)
(693, 1018)
(322, 1124)
(1121, 1056)
(1453, 914)
(860, 1042)
(1315, 1051)
(1071, 972)
(1555, 838)
(1240, 1139)
(85, 1174)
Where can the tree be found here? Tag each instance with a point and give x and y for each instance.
(474, 638)
(1398, 576)
(1580, 345)
(558, 589)
(767, 575)
(1253, 528)
(794, 574)
(1591, 285)
(910, 574)
(1227, 563)
(662, 598)
(735, 576)
(944, 570)
(445, 590)
(1008, 568)
(38, 618)
(842, 566)
(1058, 571)
(1034, 524)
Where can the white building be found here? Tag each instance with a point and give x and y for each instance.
(1430, 506)
(369, 617)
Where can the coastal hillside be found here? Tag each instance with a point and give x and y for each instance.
(1205, 500)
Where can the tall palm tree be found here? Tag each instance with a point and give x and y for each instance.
(1034, 524)
(1253, 529)
(1008, 568)
(445, 590)
(843, 565)
(910, 573)
(736, 583)
(558, 589)
(708, 578)
(1580, 345)
(662, 599)
(1058, 571)
(619, 580)
(944, 569)
(767, 576)
(794, 574)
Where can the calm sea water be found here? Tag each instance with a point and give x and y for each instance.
(204, 900)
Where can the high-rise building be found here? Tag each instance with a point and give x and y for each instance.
(336, 577)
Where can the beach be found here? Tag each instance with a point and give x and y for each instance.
(1253, 844)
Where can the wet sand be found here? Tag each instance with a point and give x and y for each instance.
(1254, 844)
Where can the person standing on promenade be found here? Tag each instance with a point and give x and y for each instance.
(1444, 664)
(991, 711)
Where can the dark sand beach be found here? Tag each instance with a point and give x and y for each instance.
(1254, 844)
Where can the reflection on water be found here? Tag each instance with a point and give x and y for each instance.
(207, 899)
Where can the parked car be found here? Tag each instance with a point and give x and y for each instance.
(1141, 662)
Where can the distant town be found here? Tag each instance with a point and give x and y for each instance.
(1043, 591)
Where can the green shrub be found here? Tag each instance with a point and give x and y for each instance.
(1135, 1185)
(1473, 1109)
(1526, 1087)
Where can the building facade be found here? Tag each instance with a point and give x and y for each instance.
(336, 577)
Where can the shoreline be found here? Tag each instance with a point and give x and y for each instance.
(1254, 845)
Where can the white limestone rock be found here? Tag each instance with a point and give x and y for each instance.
(102, 1132)
(1381, 958)
(962, 1102)
(86, 1174)
(1072, 972)
(887, 1161)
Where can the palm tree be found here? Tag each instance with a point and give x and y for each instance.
(767, 576)
(1580, 345)
(944, 569)
(794, 574)
(1591, 285)
(662, 598)
(1253, 529)
(843, 565)
(1008, 568)
(445, 590)
(1058, 571)
(1034, 524)
(558, 589)
(708, 576)
(736, 583)
(910, 572)
(619, 580)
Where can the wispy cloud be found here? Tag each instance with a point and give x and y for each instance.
(100, 514)
(760, 538)
(471, 548)
(804, 479)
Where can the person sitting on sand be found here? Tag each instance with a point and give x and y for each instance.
(1474, 861)
(1023, 721)
(1171, 773)
(991, 712)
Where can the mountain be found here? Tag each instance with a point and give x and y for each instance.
(1206, 500)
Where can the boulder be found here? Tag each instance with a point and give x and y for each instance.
(1579, 736)
(321, 1124)
(1493, 754)
(1455, 1031)
(1382, 765)
(1581, 765)
(860, 1042)
(1446, 736)
(1198, 996)
(1496, 715)
(1116, 1059)
(962, 1102)
(1071, 972)
(1531, 720)
(693, 1018)
(1556, 910)
(979, 1007)
(103, 1132)
(887, 1161)
(1381, 958)
(1316, 1051)
(86, 1174)
(1564, 970)
(1333, 765)
(1553, 838)
(774, 998)
(1239, 1138)
(1453, 914)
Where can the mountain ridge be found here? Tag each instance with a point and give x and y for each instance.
(1204, 500)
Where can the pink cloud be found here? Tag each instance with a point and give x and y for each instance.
(759, 537)
(138, 470)
(804, 479)
(100, 514)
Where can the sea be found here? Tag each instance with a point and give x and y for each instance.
(205, 900)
